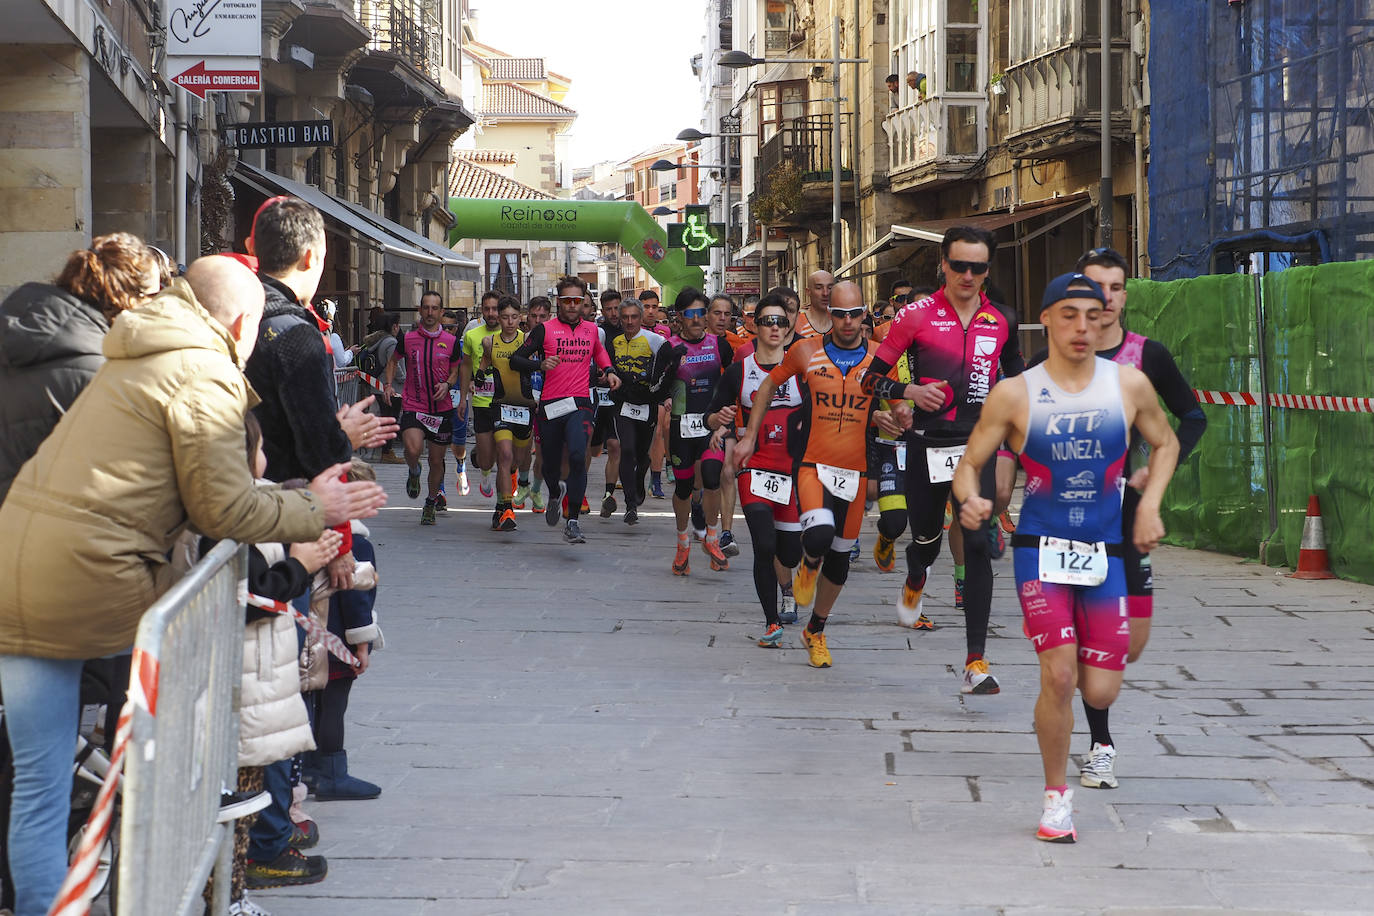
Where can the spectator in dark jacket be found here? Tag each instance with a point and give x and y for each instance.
(50, 338)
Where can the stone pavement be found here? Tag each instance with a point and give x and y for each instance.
(570, 729)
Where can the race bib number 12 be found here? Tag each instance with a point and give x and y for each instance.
(842, 483)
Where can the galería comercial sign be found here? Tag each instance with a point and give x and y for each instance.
(280, 134)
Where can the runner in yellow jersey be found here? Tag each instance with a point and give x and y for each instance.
(512, 406)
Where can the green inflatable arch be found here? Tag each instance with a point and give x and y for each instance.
(578, 221)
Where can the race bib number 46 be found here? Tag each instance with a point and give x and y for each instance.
(1072, 562)
(842, 483)
(942, 462)
(772, 487)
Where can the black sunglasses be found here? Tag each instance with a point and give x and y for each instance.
(961, 267)
(849, 313)
(903, 298)
(773, 321)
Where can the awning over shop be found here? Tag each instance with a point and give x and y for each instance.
(933, 231)
(404, 252)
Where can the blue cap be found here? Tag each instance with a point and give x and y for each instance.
(1071, 286)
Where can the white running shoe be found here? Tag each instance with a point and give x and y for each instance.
(1056, 821)
(487, 487)
(1100, 770)
(464, 488)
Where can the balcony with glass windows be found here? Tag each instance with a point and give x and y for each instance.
(938, 128)
(1054, 76)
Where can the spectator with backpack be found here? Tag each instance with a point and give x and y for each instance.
(377, 349)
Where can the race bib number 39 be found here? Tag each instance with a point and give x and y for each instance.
(1072, 562)
(942, 462)
(693, 426)
(842, 483)
(772, 487)
(634, 411)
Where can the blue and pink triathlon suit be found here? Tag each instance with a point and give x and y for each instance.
(700, 365)
(429, 357)
(1075, 460)
(565, 405)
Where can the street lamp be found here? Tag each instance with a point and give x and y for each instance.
(738, 60)
(662, 211)
(663, 165)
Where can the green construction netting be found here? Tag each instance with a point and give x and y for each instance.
(1320, 334)
(1319, 341)
(1217, 497)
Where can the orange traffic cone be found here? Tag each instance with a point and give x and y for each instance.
(1312, 560)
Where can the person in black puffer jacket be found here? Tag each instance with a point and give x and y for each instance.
(51, 335)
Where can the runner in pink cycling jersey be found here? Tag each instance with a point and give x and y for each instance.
(431, 359)
(564, 349)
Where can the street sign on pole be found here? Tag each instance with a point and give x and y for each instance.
(742, 280)
(214, 45)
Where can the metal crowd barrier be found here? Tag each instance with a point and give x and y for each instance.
(182, 753)
(346, 386)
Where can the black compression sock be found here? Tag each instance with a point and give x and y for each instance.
(1097, 724)
(815, 624)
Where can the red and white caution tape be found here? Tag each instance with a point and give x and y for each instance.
(334, 644)
(74, 899)
(371, 381)
(1291, 401)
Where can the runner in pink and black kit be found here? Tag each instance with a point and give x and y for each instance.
(957, 343)
(564, 349)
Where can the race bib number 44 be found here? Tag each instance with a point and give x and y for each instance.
(693, 426)
(772, 487)
(842, 483)
(942, 461)
(1072, 562)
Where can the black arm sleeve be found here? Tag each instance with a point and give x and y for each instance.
(877, 385)
(1013, 363)
(727, 390)
(306, 395)
(524, 359)
(727, 352)
(1173, 388)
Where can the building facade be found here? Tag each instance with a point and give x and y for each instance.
(995, 121)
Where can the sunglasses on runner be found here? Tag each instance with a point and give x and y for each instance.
(961, 267)
(694, 313)
(570, 300)
(773, 321)
(849, 313)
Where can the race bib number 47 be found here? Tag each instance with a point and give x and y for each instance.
(1072, 562)
(942, 461)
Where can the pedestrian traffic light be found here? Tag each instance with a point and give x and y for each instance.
(697, 234)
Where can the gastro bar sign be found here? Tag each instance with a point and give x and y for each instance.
(280, 134)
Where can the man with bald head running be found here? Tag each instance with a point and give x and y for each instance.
(814, 320)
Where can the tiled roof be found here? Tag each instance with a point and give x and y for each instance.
(499, 156)
(518, 68)
(469, 180)
(510, 100)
